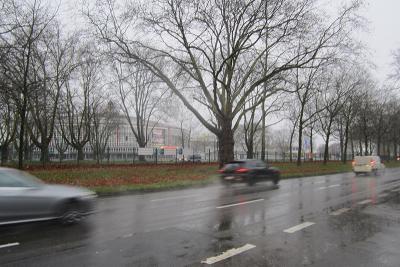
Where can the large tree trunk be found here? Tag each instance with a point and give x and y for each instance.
(263, 132)
(44, 153)
(346, 142)
(61, 156)
(291, 146)
(4, 154)
(80, 156)
(311, 144)
(352, 148)
(226, 143)
(250, 150)
(299, 150)
(22, 137)
(378, 146)
(326, 150)
(328, 135)
(341, 144)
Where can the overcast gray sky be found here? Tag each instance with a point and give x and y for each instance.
(382, 38)
(384, 33)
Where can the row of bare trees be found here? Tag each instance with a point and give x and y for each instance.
(235, 65)
(224, 55)
(347, 106)
(59, 83)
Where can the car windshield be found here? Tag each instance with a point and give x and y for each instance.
(17, 178)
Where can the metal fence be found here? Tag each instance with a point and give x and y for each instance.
(207, 155)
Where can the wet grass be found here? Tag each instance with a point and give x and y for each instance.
(125, 178)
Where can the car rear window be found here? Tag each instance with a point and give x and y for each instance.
(233, 165)
(365, 159)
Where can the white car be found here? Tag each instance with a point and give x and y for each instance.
(367, 164)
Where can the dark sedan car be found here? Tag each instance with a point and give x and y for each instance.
(248, 171)
(24, 198)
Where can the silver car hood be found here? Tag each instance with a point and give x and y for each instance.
(65, 191)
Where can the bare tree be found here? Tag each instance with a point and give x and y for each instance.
(105, 120)
(8, 126)
(28, 21)
(55, 62)
(76, 111)
(252, 121)
(306, 90)
(140, 96)
(396, 67)
(213, 48)
(60, 143)
(334, 94)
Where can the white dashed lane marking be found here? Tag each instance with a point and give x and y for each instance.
(241, 203)
(9, 245)
(339, 211)
(173, 198)
(364, 202)
(229, 253)
(330, 186)
(299, 227)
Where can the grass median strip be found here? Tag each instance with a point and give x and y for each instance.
(111, 179)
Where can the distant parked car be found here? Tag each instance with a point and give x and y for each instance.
(24, 198)
(367, 164)
(194, 158)
(249, 171)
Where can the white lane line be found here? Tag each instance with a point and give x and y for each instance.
(127, 236)
(364, 202)
(227, 254)
(396, 190)
(339, 211)
(299, 227)
(326, 187)
(9, 245)
(320, 182)
(172, 198)
(241, 203)
(383, 195)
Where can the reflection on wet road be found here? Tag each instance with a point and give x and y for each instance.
(334, 220)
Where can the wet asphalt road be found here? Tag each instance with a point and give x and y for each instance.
(347, 220)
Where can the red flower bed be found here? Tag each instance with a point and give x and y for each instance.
(123, 181)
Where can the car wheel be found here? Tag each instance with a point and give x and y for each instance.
(251, 182)
(225, 182)
(70, 214)
(276, 179)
